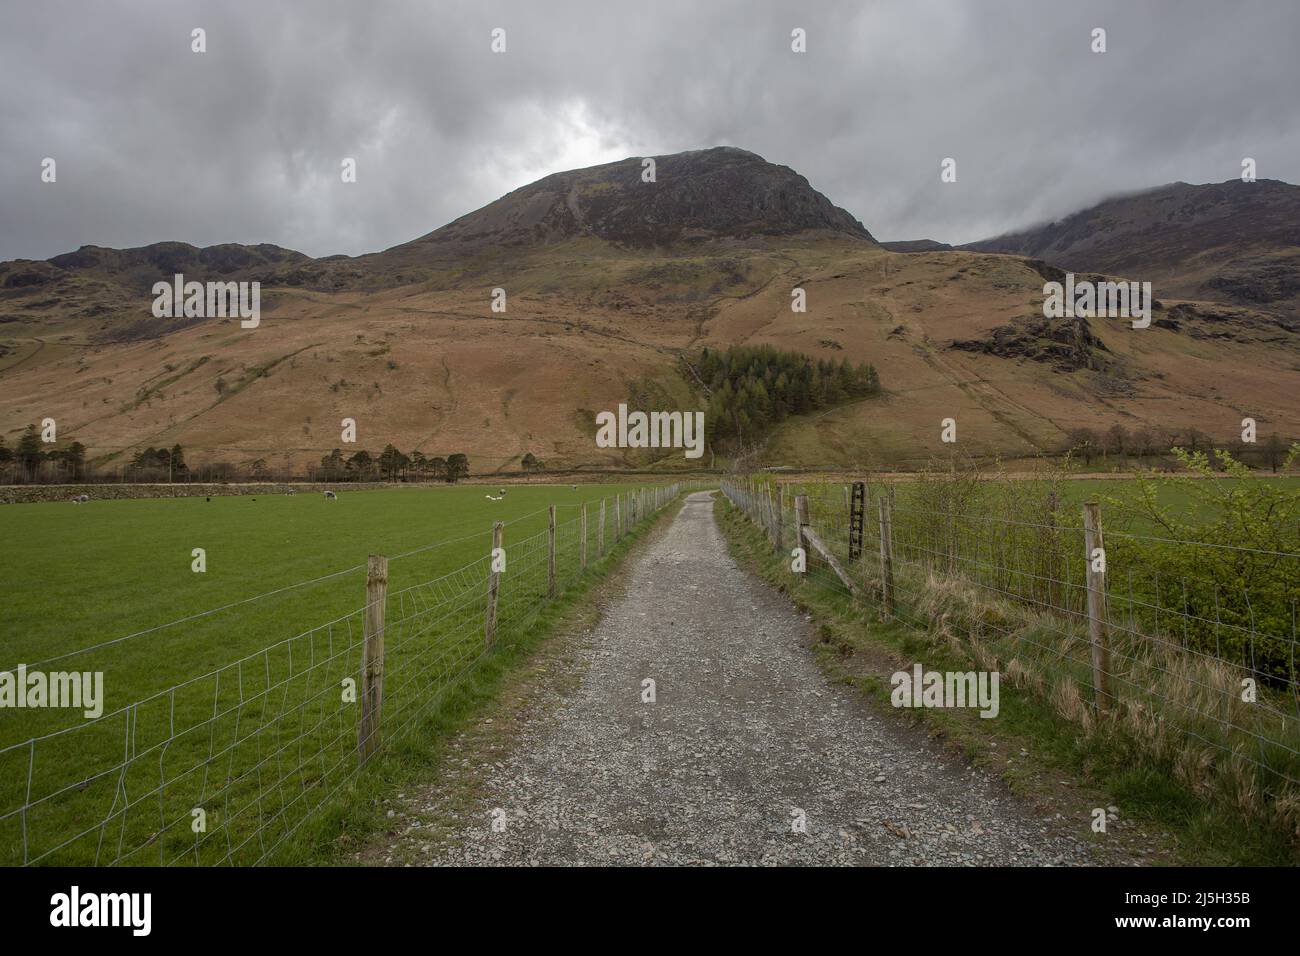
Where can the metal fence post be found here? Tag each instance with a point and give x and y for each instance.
(857, 507)
(582, 548)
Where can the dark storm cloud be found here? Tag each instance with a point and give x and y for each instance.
(243, 143)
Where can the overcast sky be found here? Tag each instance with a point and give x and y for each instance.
(243, 143)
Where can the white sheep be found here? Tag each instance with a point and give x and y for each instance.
(331, 496)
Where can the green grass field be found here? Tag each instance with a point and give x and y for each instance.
(95, 572)
(1177, 497)
(1048, 747)
(1215, 557)
(240, 712)
(1199, 615)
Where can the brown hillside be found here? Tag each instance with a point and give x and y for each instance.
(603, 302)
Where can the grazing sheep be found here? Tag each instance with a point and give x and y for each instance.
(490, 498)
(575, 487)
(80, 499)
(291, 491)
(331, 496)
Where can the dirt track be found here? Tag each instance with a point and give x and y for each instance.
(745, 733)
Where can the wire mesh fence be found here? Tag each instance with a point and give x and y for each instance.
(224, 768)
(1188, 645)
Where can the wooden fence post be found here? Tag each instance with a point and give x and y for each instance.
(582, 548)
(800, 519)
(886, 562)
(372, 655)
(1094, 544)
(600, 531)
(779, 536)
(772, 519)
(550, 552)
(494, 586)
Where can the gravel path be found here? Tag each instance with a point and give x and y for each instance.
(745, 735)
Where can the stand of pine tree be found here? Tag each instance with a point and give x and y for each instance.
(754, 387)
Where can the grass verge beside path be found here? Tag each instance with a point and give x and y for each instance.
(1043, 757)
(359, 816)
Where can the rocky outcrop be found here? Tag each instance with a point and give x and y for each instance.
(1257, 283)
(1069, 345)
(1202, 320)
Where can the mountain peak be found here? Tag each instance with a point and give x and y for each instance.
(722, 192)
(1232, 241)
